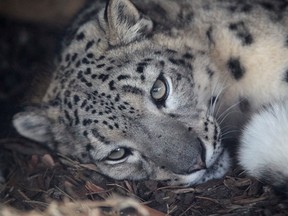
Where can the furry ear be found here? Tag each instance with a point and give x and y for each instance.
(34, 125)
(125, 23)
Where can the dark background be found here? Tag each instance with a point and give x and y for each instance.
(30, 32)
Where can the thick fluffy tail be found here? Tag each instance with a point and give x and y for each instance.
(263, 150)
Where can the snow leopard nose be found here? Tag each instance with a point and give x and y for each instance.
(200, 160)
(199, 165)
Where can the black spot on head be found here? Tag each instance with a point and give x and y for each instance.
(100, 65)
(80, 74)
(55, 102)
(132, 89)
(209, 72)
(171, 51)
(162, 63)
(188, 56)
(97, 135)
(117, 98)
(86, 122)
(85, 61)
(88, 71)
(109, 68)
(111, 85)
(89, 45)
(84, 103)
(101, 58)
(78, 63)
(89, 147)
(85, 133)
(80, 36)
(141, 66)
(174, 61)
(90, 55)
(69, 105)
(172, 115)
(68, 117)
(76, 116)
(103, 77)
(74, 56)
(235, 67)
(242, 32)
(123, 77)
(67, 57)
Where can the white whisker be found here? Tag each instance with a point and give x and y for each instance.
(227, 110)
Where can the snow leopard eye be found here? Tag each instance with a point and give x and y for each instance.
(160, 90)
(118, 155)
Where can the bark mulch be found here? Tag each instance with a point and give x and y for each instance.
(36, 177)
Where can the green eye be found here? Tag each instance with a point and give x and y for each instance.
(118, 154)
(160, 90)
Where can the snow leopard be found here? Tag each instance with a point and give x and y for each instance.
(150, 89)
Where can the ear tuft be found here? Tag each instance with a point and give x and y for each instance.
(125, 23)
(33, 125)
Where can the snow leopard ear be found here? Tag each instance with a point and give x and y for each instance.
(34, 124)
(125, 22)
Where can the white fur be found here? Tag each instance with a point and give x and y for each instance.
(264, 144)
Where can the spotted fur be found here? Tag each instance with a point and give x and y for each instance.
(219, 61)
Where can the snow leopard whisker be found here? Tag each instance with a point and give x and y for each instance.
(220, 104)
(229, 132)
(223, 118)
(227, 128)
(213, 103)
(226, 112)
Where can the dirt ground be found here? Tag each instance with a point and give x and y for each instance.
(36, 177)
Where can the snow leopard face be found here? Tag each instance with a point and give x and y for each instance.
(133, 106)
